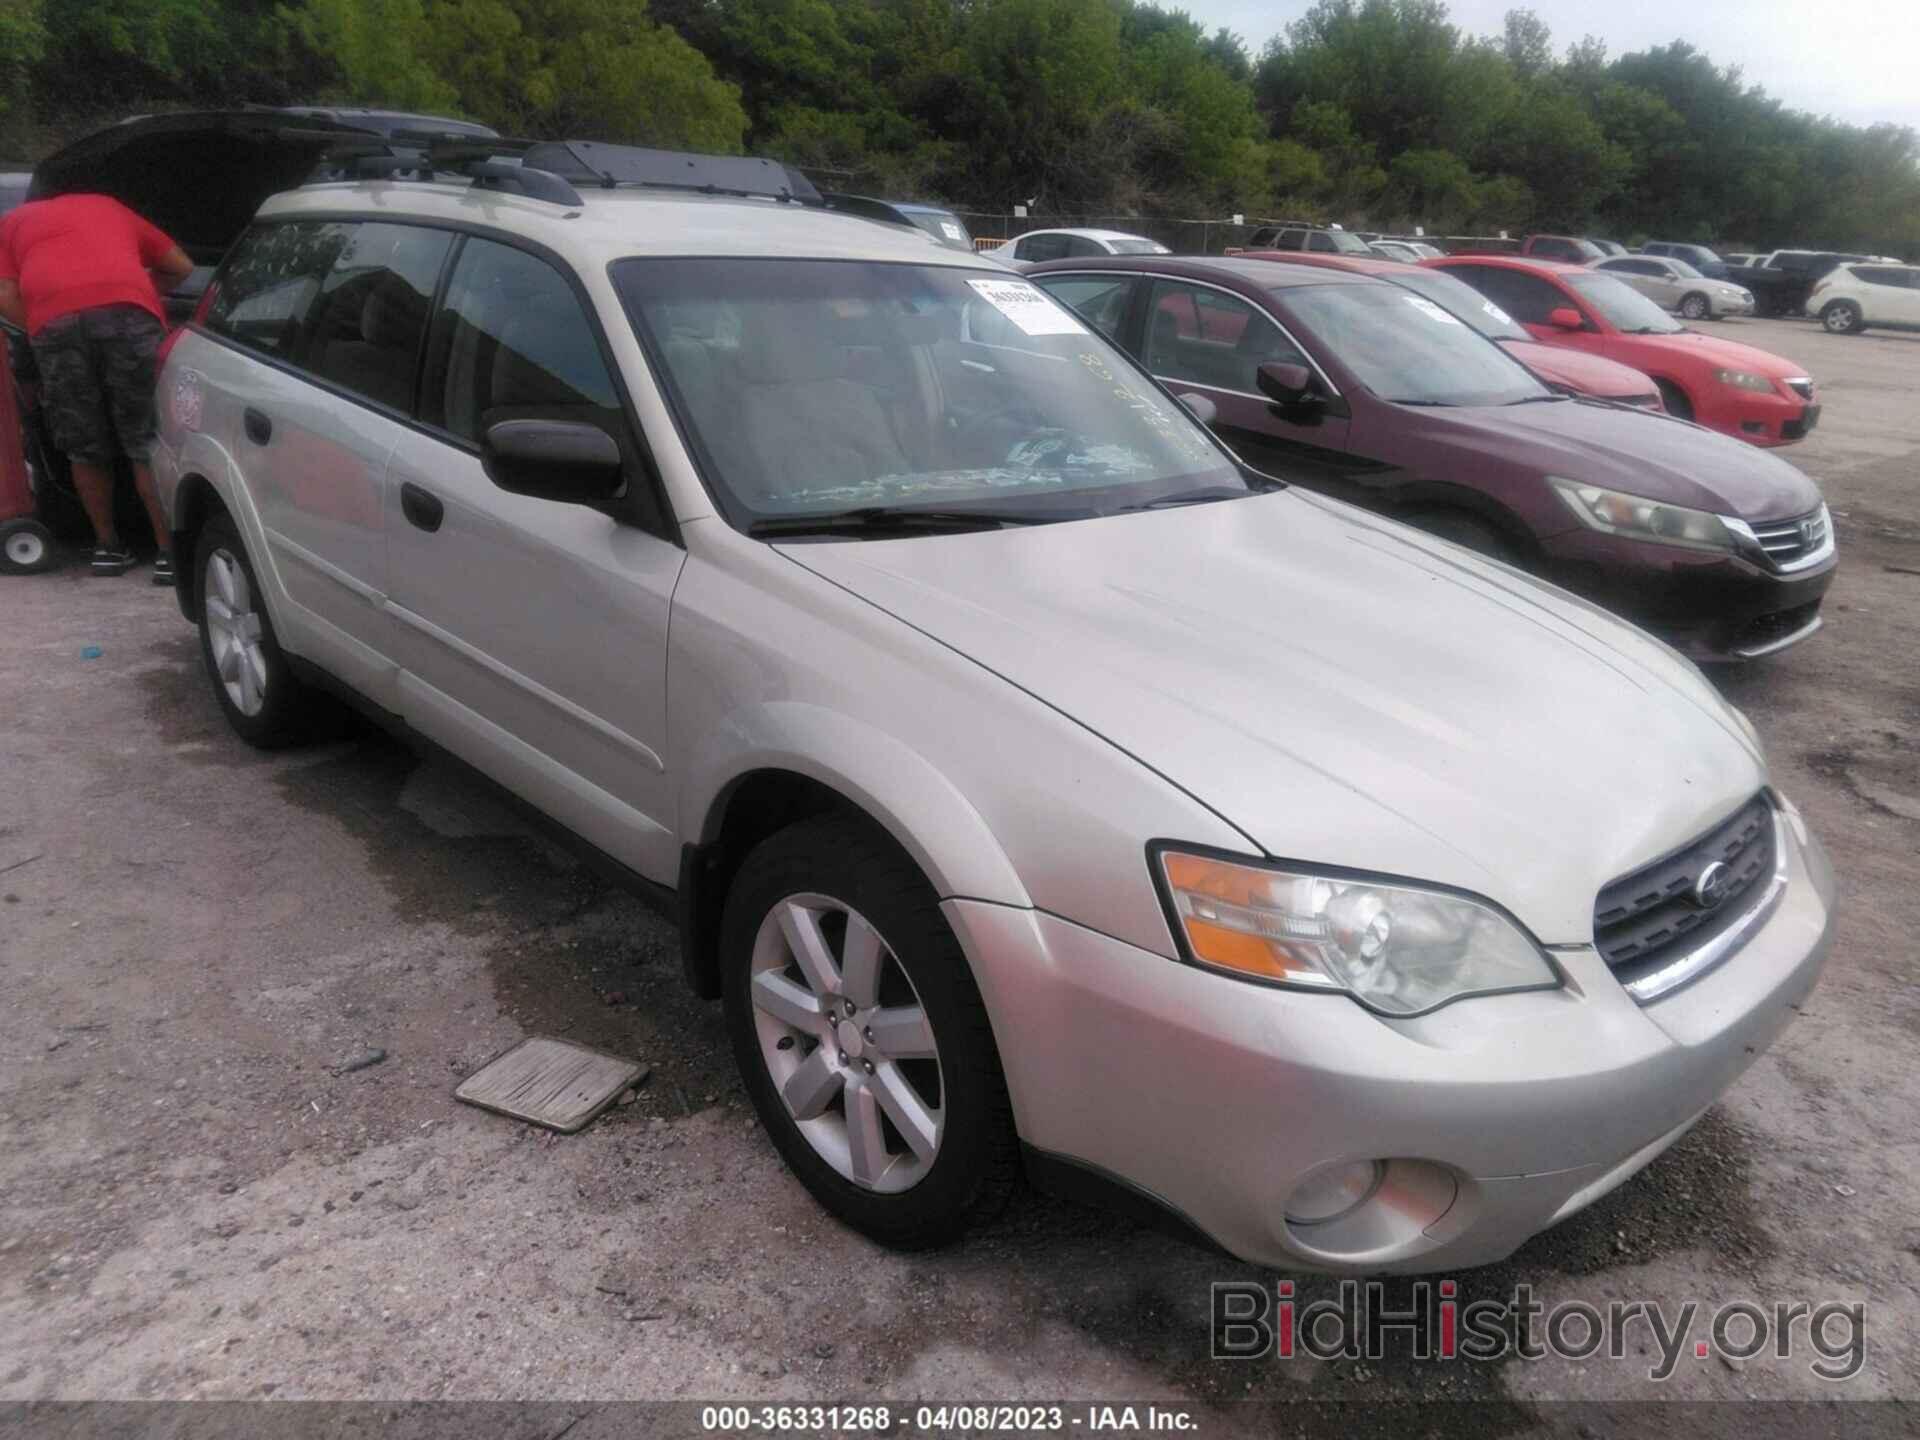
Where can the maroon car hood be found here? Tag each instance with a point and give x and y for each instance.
(1588, 374)
(1639, 452)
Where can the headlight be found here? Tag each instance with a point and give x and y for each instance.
(1642, 519)
(1744, 380)
(1395, 948)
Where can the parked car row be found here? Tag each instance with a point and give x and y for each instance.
(1043, 783)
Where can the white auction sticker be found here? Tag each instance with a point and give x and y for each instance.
(1023, 304)
(1427, 308)
(951, 231)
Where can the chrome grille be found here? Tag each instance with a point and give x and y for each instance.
(1642, 922)
(1801, 387)
(1786, 541)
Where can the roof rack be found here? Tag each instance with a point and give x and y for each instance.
(610, 166)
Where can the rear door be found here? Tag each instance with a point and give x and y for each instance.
(532, 635)
(333, 312)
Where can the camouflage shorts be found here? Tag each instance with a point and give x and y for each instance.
(96, 381)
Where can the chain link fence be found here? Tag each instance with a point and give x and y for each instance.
(1182, 236)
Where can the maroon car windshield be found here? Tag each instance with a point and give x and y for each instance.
(1409, 350)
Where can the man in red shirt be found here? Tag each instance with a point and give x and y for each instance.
(82, 274)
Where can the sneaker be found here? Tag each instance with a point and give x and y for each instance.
(111, 562)
(163, 569)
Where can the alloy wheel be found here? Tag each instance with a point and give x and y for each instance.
(234, 632)
(847, 1042)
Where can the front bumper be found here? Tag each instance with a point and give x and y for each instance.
(1498, 1116)
(1709, 605)
(1763, 420)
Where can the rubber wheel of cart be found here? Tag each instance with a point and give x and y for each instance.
(1842, 317)
(26, 547)
(1675, 399)
(861, 1036)
(1694, 306)
(266, 705)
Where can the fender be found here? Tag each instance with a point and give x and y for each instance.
(204, 465)
(893, 783)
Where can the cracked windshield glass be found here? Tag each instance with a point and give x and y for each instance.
(815, 388)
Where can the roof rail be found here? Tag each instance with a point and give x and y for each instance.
(610, 166)
(427, 155)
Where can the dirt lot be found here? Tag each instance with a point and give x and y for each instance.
(195, 1203)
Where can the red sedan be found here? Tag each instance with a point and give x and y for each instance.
(1722, 384)
(1563, 369)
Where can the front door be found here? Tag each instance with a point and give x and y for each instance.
(532, 635)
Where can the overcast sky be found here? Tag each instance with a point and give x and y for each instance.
(1851, 59)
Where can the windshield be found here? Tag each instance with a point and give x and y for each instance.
(1407, 349)
(1461, 299)
(1126, 245)
(943, 226)
(1623, 307)
(810, 387)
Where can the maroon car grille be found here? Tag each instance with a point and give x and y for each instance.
(1786, 541)
(1639, 922)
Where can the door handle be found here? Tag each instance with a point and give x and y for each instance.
(422, 509)
(259, 427)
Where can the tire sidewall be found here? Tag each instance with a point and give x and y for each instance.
(1843, 311)
(1696, 307)
(805, 859)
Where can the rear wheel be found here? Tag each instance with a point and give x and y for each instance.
(861, 1036)
(263, 701)
(1695, 306)
(1843, 317)
(1468, 531)
(26, 547)
(1675, 399)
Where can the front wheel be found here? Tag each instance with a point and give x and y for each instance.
(1695, 307)
(862, 1038)
(1843, 317)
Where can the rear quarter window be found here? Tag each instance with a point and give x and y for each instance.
(269, 283)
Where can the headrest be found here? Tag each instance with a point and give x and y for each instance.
(785, 343)
(393, 315)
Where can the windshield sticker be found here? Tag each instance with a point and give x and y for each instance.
(1026, 307)
(1427, 308)
(952, 232)
(1496, 312)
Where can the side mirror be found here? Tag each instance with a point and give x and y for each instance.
(1288, 385)
(561, 460)
(1200, 407)
(1565, 317)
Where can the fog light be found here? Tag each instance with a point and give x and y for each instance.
(1333, 1192)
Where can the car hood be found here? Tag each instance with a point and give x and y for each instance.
(1589, 374)
(1641, 452)
(198, 175)
(1341, 689)
(1690, 346)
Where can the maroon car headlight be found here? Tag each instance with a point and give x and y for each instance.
(1635, 516)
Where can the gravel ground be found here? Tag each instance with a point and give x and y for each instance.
(195, 1201)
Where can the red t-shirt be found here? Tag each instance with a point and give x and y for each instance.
(79, 252)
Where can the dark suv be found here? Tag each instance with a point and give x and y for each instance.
(1303, 237)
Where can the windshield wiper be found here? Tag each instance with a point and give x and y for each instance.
(883, 520)
(1201, 497)
(1428, 404)
(1537, 399)
(1655, 330)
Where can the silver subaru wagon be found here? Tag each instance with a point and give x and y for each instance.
(1044, 792)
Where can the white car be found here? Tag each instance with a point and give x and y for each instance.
(1852, 297)
(1676, 285)
(1039, 788)
(1038, 245)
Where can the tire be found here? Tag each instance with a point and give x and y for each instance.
(1842, 317)
(266, 705)
(26, 548)
(1466, 530)
(1695, 306)
(1675, 399)
(812, 882)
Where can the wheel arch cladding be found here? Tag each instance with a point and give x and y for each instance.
(788, 761)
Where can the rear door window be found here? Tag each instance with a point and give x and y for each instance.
(1206, 337)
(269, 283)
(365, 327)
